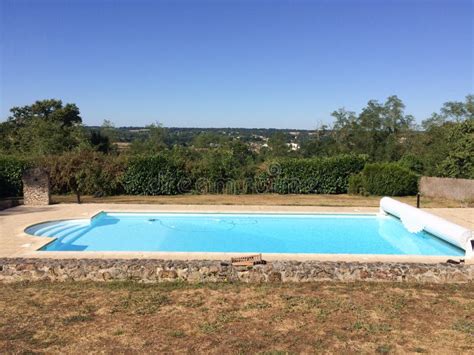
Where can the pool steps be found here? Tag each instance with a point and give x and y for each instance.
(60, 230)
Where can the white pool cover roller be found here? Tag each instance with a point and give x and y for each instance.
(416, 220)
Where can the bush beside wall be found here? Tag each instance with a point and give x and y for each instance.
(11, 169)
(86, 172)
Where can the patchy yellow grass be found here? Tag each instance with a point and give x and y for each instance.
(236, 318)
(262, 199)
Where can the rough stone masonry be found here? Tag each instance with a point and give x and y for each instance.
(152, 270)
(36, 187)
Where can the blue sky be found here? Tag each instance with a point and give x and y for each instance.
(284, 64)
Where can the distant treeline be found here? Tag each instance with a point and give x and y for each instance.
(185, 136)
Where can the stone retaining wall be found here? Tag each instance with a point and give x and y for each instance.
(150, 270)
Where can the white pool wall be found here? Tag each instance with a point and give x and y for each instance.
(448, 231)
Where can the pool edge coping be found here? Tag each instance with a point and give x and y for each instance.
(215, 256)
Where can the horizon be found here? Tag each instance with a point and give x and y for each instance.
(190, 127)
(239, 64)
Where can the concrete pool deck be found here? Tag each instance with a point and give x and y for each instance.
(15, 243)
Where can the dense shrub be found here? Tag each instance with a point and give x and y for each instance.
(413, 163)
(385, 179)
(11, 169)
(315, 175)
(85, 172)
(155, 175)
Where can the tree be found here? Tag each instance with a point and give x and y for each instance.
(459, 162)
(320, 144)
(452, 111)
(85, 171)
(380, 130)
(77, 171)
(371, 135)
(393, 118)
(444, 145)
(155, 142)
(346, 130)
(50, 110)
(277, 144)
(45, 127)
(107, 129)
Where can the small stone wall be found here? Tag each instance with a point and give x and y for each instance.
(147, 270)
(453, 189)
(36, 189)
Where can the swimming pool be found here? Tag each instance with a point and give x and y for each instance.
(242, 233)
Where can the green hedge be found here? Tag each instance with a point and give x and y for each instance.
(155, 175)
(164, 174)
(311, 176)
(356, 185)
(384, 179)
(11, 169)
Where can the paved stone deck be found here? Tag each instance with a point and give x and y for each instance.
(14, 242)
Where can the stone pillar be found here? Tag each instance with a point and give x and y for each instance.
(36, 189)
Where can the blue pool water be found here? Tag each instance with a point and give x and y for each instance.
(242, 233)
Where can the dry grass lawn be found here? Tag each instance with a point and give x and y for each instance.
(263, 199)
(236, 318)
